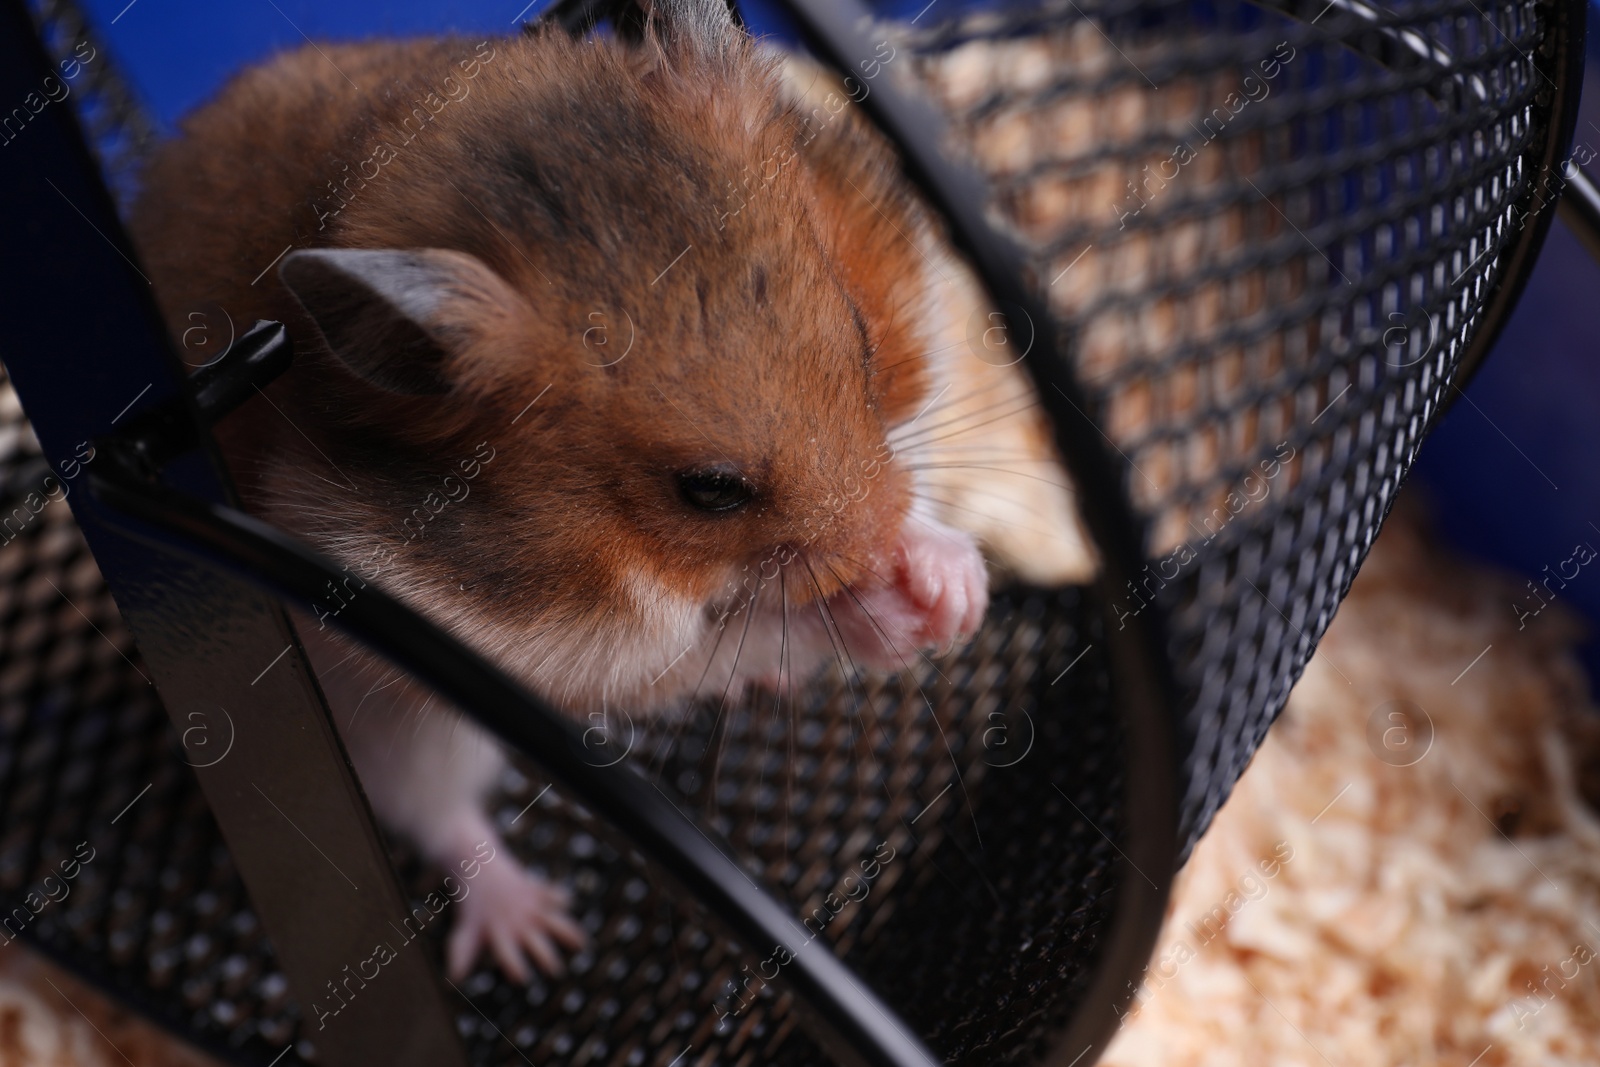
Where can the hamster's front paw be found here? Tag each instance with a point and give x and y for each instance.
(515, 914)
(933, 597)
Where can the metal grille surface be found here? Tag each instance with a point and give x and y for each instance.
(919, 780)
(1269, 243)
(1269, 239)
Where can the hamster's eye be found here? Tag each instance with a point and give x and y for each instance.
(714, 490)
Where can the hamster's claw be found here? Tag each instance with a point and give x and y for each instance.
(516, 915)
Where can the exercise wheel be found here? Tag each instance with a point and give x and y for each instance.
(1249, 251)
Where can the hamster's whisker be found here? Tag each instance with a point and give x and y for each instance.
(852, 676)
(840, 653)
(400, 721)
(866, 693)
(685, 720)
(777, 703)
(719, 728)
(362, 663)
(417, 709)
(975, 390)
(733, 671)
(954, 430)
(906, 669)
(722, 630)
(894, 317)
(916, 358)
(989, 516)
(788, 768)
(946, 402)
(1032, 508)
(391, 675)
(955, 766)
(926, 436)
(981, 467)
(974, 452)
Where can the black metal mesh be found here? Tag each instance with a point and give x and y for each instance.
(1012, 870)
(1269, 242)
(1015, 870)
(90, 766)
(113, 119)
(1245, 306)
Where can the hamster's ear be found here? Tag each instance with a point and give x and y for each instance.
(394, 317)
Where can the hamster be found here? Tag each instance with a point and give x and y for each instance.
(636, 366)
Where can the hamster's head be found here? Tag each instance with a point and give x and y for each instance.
(617, 400)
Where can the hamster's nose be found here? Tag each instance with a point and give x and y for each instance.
(933, 596)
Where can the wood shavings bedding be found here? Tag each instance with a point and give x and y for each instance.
(1367, 896)
(50, 1019)
(1362, 899)
(1372, 897)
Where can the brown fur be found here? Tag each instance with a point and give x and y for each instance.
(723, 219)
(756, 258)
(577, 172)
